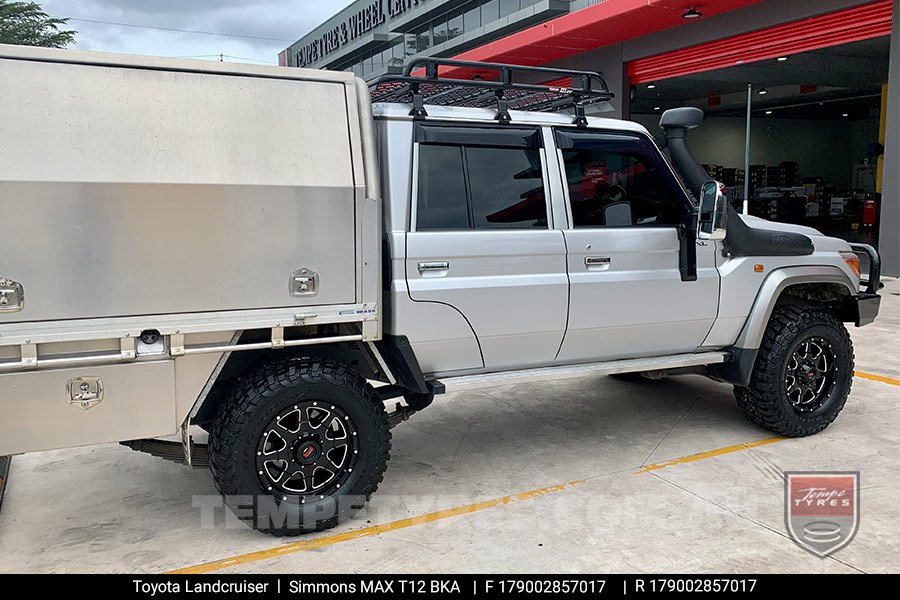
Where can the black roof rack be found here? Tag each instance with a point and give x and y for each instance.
(487, 85)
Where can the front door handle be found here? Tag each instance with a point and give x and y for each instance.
(597, 263)
(438, 265)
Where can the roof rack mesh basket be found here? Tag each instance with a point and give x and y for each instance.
(448, 82)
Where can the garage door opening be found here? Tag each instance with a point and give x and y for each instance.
(817, 133)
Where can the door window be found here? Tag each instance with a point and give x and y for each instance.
(619, 181)
(506, 188)
(464, 184)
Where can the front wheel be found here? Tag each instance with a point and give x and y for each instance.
(803, 372)
(299, 446)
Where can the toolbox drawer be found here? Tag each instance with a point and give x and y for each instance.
(61, 408)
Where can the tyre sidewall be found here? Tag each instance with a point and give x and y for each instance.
(314, 512)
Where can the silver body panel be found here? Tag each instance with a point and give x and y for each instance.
(111, 185)
(92, 250)
(565, 371)
(511, 287)
(638, 305)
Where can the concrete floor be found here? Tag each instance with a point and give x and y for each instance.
(108, 509)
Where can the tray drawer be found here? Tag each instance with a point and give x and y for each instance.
(61, 408)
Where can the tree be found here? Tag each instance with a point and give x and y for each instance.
(26, 24)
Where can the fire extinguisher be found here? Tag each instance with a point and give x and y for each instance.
(869, 212)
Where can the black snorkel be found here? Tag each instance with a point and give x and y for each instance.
(675, 124)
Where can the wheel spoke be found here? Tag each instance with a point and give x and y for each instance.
(336, 429)
(338, 455)
(296, 483)
(275, 469)
(317, 416)
(290, 422)
(791, 383)
(320, 476)
(807, 396)
(819, 385)
(273, 443)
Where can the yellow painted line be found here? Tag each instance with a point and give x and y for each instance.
(366, 532)
(880, 378)
(330, 540)
(710, 454)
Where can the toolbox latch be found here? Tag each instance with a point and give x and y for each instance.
(304, 282)
(85, 392)
(12, 296)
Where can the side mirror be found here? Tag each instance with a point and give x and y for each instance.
(711, 222)
(618, 214)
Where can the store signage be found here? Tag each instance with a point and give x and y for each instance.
(359, 23)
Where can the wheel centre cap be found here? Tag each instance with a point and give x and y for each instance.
(807, 373)
(308, 452)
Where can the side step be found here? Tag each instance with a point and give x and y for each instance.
(631, 365)
(4, 476)
(172, 451)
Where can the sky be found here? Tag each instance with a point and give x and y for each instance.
(281, 21)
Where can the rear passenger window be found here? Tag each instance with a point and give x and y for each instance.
(479, 178)
(442, 189)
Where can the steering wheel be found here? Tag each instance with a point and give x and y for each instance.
(613, 194)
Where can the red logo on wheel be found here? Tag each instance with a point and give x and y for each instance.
(821, 510)
(308, 452)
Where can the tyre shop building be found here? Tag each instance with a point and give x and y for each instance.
(820, 78)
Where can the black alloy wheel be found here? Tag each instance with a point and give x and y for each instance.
(310, 448)
(809, 374)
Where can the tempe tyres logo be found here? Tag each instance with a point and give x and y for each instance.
(821, 509)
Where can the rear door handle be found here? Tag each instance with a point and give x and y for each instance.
(438, 265)
(597, 263)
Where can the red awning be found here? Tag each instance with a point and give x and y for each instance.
(831, 29)
(594, 27)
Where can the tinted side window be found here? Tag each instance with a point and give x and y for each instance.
(507, 188)
(620, 185)
(442, 189)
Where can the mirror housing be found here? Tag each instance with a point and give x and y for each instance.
(618, 214)
(687, 117)
(713, 211)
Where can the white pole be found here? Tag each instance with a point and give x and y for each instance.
(747, 152)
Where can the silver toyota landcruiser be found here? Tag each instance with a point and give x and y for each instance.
(275, 255)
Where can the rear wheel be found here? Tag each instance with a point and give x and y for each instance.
(299, 446)
(803, 372)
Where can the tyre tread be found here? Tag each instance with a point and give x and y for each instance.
(761, 402)
(238, 408)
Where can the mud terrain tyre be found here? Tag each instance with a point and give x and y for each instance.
(299, 445)
(803, 372)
